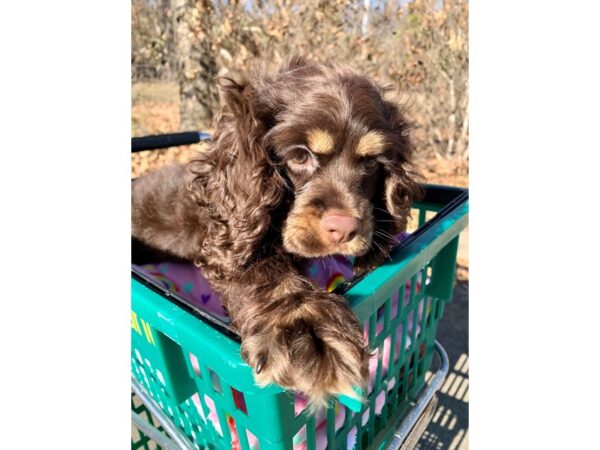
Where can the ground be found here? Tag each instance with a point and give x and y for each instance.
(449, 428)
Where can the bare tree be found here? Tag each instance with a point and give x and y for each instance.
(195, 63)
(420, 46)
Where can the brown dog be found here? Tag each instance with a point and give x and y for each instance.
(307, 162)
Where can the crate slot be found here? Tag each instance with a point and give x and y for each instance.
(238, 400)
(215, 381)
(195, 365)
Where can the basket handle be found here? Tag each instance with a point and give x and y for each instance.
(155, 142)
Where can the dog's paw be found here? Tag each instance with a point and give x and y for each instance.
(318, 349)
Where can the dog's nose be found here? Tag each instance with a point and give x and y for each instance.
(339, 228)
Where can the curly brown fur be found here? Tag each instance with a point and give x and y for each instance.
(289, 149)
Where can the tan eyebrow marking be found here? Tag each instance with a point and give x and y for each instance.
(371, 144)
(320, 141)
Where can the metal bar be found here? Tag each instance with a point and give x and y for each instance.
(140, 144)
(422, 401)
(159, 438)
(180, 441)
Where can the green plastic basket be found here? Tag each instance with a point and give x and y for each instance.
(191, 366)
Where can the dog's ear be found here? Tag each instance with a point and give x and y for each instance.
(399, 188)
(237, 178)
(402, 188)
(402, 184)
(235, 95)
(296, 61)
(242, 100)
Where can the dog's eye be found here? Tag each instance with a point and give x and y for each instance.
(301, 160)
(370, 163)
(301, 157)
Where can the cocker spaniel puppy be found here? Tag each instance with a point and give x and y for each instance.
(310, 161)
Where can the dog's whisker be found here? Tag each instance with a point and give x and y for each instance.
(385, 252)
(380, 209)
(385, 234)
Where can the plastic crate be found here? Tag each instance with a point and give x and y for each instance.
(190, 363)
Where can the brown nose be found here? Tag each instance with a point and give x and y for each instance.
(339, 228)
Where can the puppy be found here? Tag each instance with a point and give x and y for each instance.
(310, 161)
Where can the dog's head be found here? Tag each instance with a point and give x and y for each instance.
(337, 143)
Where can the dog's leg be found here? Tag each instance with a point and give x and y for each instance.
(298, 336)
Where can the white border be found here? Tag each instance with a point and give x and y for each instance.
(65, 224)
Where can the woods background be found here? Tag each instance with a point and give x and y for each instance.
(421, 46)
(179, 46)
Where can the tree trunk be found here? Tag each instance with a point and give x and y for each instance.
(463, 146)
(451, 119)
(365, 18)
(196, 66)
(168, 25)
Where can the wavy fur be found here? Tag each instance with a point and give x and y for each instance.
(248, 215)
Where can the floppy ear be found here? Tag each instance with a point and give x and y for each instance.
(295, 61)
(402, 186)
(399, 189)
(236, 97)
(236, 181)
(245, 106)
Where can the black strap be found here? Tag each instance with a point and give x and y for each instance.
(139, 144)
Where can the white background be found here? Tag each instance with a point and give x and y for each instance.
(64, 224)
